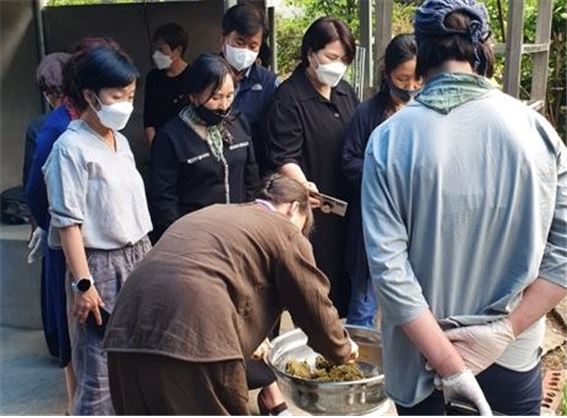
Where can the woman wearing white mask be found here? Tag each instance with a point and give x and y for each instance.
(164, 96)
(99, 214)
(306, 125)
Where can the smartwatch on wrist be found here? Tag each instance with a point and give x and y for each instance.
(82, 285)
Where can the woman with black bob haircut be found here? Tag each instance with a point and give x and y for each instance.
(205, 154)
(98, 210)
(306, 126)
(399, 84)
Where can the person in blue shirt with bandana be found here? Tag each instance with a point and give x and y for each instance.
(464, 205)
(244, 28)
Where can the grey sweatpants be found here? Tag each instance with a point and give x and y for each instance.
(109, 270)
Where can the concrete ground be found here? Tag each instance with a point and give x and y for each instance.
(30, 381)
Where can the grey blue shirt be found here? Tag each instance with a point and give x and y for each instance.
(464, 202)
(91, 185)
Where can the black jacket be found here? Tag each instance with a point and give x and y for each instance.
(307, 129)
(185, 176)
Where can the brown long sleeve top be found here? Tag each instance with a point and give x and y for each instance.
(214, 285)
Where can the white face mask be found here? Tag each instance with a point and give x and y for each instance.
(161, 60)
(114, 116)
(239, 58)
(330, 74)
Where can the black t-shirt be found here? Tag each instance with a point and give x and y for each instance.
(164, 97)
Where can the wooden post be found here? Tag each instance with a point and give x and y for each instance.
(272, 37)
(383, 31)
(541, 58)
(365, 13)
(514, 41)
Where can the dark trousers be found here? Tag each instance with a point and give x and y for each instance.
(54, 304)
(151, 384)
(258, 373)
(507, 392)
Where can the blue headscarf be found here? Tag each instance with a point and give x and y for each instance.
(430, 21)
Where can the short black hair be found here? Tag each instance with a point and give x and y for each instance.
(206, 73)
(323, 31)
(95, 69)
(433, 51)
(244, 19)
(173, 35)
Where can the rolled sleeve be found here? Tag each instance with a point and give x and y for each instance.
(66, 181)
(386, 239)
(554, 263)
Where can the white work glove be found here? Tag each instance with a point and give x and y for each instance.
(353, 351)
(35, 245)
(463, 387)
(481, 345)
(261, 353)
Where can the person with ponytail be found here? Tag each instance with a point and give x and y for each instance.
(399, 84)
(208, 294)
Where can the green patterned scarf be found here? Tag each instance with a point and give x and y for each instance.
(216, 134)
(447, 91)
(216, 137)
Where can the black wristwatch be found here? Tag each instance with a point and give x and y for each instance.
(82, 285)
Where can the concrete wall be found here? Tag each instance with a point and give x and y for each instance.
(19, 96)
(131, 25)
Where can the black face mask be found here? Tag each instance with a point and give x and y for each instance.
(402, 94)
(211, 117)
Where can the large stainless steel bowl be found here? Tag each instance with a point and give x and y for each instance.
(331, 398)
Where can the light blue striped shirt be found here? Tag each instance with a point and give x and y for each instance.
(461, 213)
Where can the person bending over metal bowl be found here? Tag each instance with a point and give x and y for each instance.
(208, 294)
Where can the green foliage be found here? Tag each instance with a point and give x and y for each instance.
(556, 107)
(57, 3)
(402, 16)
(290, 30)
(563, 407)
